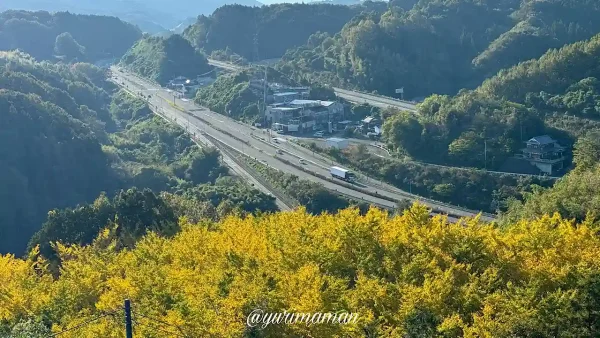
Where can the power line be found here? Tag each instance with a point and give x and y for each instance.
(207, 72)
(157, 328)
(160, 322)
(82, 324)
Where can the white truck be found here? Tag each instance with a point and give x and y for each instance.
(341, 173)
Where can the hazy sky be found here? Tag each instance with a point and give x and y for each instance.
(268, 2)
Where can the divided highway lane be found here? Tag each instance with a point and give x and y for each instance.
(350, 95)
(263, 151)
(374, 100)
(158, 105)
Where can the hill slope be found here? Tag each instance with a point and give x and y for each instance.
(162, 59)
(42, 134)
(66, 136)
(36, 33)
(557, 94)
(277, 27)
(441, 46)
(148, 15)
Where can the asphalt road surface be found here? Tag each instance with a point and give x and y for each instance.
(350, 95)
(260, 145)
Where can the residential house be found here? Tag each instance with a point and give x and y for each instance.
(541, 153)
(178, 81)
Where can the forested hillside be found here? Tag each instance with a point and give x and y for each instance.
(557, 94)
(163, 59)
(66, 135)
(63, 35)
(408, 276)
(152, 16)
(46, 126)
(275, 28)
(440, 46)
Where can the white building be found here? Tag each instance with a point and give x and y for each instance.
(338, 143)
(286, 97)
(305, 114)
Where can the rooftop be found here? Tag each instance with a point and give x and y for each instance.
(284, 108)
(368, 119)
(336, 139)
(285, 94)
(312, 102)
(544, 139)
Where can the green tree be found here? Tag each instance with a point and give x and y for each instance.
(29, 329)
(322, 93)
(134, 212)
(67, 46)
(586, 153)
(467, 148)
(403, 131)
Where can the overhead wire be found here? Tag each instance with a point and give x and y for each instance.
(159, 321)
(157, 328)
(81, 325)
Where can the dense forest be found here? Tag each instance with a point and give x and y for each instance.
(67, 135)
(232, 95)
(269, 30)
(66, 36)
(405, 276)
(162, 59)
(48, 123)
(556, 94)
(440, 46)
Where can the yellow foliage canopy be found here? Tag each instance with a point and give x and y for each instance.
(408, 275)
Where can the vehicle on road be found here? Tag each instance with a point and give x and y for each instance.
(341, 173)
(302, 161)
(279, 152)
(319, 134)
(275, 140)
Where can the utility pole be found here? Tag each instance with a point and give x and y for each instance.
(265, 87)
(521, 126)
(485, 153)
(128, 326)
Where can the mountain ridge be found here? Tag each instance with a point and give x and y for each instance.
(150, 16)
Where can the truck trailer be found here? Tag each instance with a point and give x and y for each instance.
(341, 173)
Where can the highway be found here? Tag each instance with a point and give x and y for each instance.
(258, 144)
(349, 95)
(374, 100)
